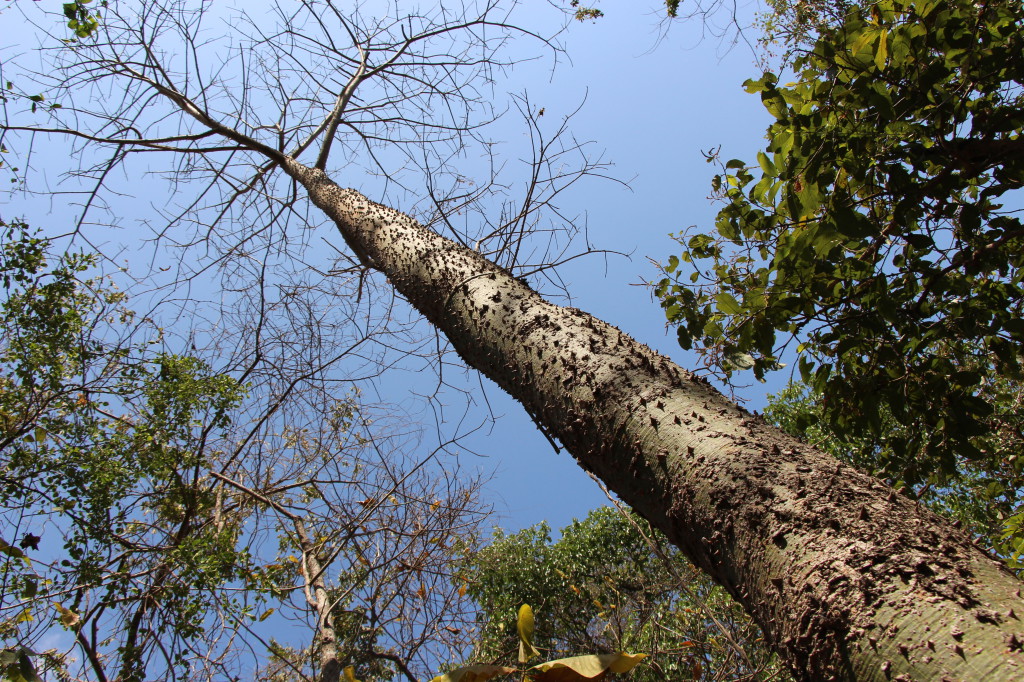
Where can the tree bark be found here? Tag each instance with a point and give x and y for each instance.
(319, 599)
(848, 579)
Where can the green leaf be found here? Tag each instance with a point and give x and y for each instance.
(11, 550)
(739, 360)
(727, 304)
(862, 41)
(16, 665)
(31, 588)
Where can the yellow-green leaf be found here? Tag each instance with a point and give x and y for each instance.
(525, 626)
(585, 667)
(349, 674)
(10, 550)
(474, 673)
(883, 50)
(862, 41)
(68, 618)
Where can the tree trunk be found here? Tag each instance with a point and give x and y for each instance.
(849, 580)
(325, 637)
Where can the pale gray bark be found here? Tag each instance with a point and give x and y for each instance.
(849, 579)
(320, 601)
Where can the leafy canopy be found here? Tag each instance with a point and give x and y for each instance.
(98, 436)
(878, 229)
(602, 587)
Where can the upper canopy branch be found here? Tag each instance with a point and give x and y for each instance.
(399, 97)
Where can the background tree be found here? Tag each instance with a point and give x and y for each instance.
(846, 577)
(149, 515)
(793, 27)
(603, 587)
(878, 234)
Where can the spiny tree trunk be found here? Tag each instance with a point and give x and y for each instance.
(849, 580)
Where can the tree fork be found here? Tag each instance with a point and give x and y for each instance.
(849, 579)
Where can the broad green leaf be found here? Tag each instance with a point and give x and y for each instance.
(862, 41)
(740, 360)
(16, 666)
(727, 303)
(31, 588)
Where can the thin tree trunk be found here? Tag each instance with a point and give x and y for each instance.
(849, 580)
(325, 638)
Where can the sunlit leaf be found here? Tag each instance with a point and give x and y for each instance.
(592, 667)
(67, 617)
(474, 673)
(525, 627)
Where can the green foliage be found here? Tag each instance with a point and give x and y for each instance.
(873, 230)
(154, 512)
(584, 13)
(81, 19)
(602, 588)
(16, 665)
(985, 500)
(101, 439)
(796, 24)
